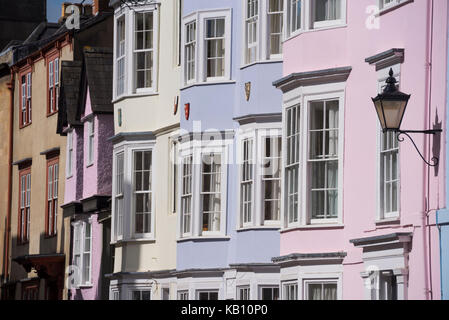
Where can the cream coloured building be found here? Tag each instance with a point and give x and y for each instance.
(146, 121)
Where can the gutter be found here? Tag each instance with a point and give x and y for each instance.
(8, 215)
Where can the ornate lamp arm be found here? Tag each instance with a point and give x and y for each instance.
(435, 160)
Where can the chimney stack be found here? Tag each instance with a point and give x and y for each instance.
(99, 6)
(65, 5)
(87, 10)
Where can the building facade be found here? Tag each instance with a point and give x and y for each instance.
(230, 151)
(40, 235)
(87, 120)
(146, 121)
(443, 215)
(359, 207)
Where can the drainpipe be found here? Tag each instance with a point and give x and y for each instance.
(8, 215)
(427, 144)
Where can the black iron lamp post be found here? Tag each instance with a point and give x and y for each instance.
(390, 106)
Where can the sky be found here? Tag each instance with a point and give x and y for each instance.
(54, 8)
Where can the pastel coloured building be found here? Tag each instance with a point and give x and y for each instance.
(230, 150)
(359, 208)
(443, 216)
(86, 119)
(146, 121)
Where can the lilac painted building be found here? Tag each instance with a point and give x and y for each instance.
(87, 118)
(230, 145)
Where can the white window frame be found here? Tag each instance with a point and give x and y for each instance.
(70, 153)
(257, 133)
(262, 43)
(261, 287)
(328, 23)
(243, 288)
(128, 14)
(252, 22)
(183, 195)
(90, 141)
(128, 227)
(382, 76)
(200, 63)
(119, 195)
(307, 282)
(196, 150)
(384, 5)
(307, 18)
(208, 291)
(302, 97)
(193, 44)
(79, 230)
(183, 295)
(285, 285)
(150, 192)
(120, 56)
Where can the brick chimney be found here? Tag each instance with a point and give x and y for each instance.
(99, 6)
(87, 9)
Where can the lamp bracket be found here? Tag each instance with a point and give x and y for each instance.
(435, 160)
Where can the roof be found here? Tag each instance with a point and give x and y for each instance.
(99, 78)
(95, 73)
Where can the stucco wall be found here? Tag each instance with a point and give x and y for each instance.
(4, 157)
(349, 46)
(29, 142)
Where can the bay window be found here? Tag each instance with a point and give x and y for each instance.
(186, 195)
(118, 194)
(295, 15)
(260, 177)
(246, 184)
(82, 251)
(326, 12)
(271, 179)
(207, 295)
(141, 295)
(190, 51)
(143, 50)
(142, 198)
(215, 47)
(211, 192)
(268, 293)
(320, 290)
(323, 160)
(251, 22)
(133, 198)
(203, 190)
(292, 164)
(313, 166)
(243, 293)
(120, 55)
(136, 50)
(207, 42)
(275, 26)
(290, 291)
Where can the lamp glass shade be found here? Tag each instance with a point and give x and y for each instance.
(390, 109)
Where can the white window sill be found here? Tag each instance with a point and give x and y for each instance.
(313, 226)
(393, 7)
(134, 95)
(255, 228)
(296, 34)
(208, 83)
(274, 60)
(204, 238)
(392, 220)
(134, 240)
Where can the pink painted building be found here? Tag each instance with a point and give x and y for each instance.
(359, 206)
(88, 122)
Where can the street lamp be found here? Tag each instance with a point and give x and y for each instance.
(390, 107)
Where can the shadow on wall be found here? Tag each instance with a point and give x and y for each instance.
(436, 147)
(47, 244)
